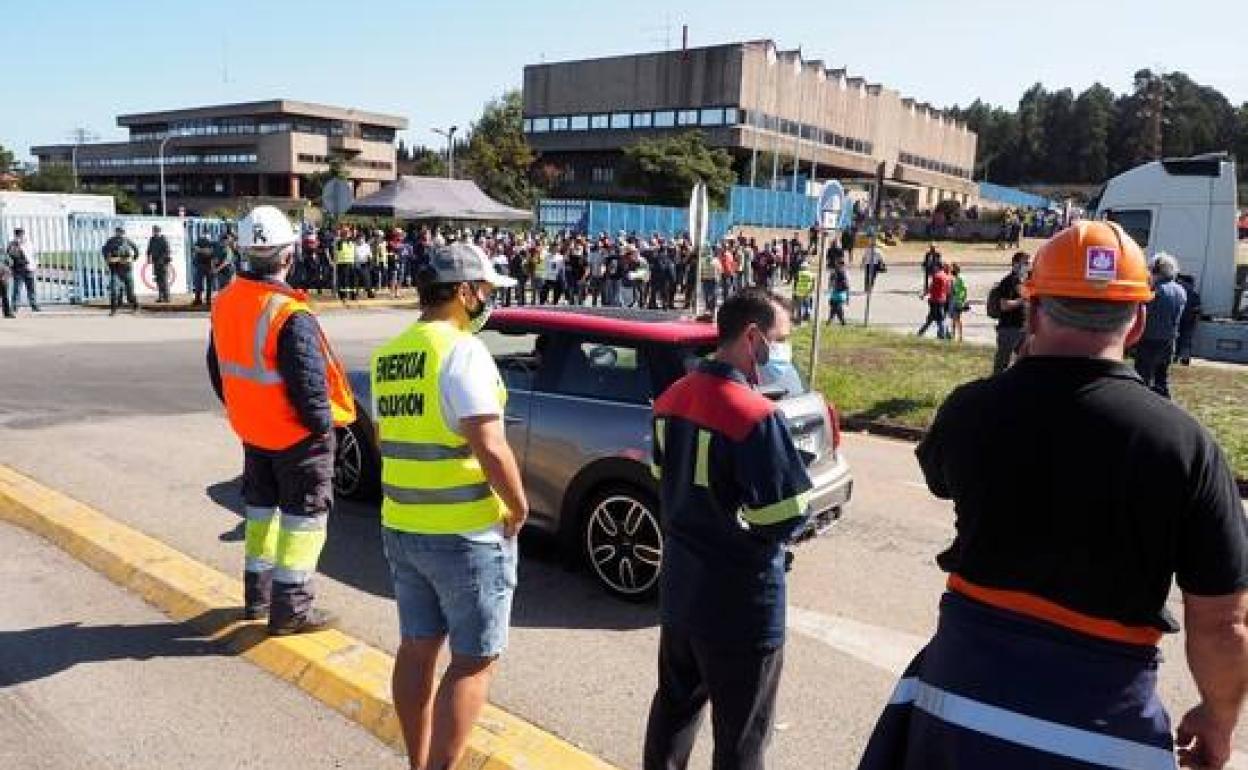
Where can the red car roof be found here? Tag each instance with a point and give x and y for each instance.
(640, 326)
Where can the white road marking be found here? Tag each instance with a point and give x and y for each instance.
(858, 434)
(881, 647)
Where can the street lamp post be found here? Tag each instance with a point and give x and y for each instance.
(450, 149)
(831, 202)
(161, 156)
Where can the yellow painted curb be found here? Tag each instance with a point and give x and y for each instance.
(343, 673)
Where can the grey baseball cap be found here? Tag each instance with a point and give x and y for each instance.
(461, 261)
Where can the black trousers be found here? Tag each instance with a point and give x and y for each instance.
(5, 279)
(741, 686)
(346, 280)
(161, 273)
(1152, 363)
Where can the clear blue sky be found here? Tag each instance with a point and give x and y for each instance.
(74, 63)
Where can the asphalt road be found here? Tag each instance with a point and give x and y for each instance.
(92, 678)
(116, 412)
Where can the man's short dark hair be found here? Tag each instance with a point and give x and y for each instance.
(748, 306)
(1019, 256)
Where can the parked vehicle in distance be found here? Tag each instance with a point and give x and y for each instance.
(1188, 208)
(581, 383)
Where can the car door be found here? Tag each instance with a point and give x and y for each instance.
(516, 357)
(591, 399)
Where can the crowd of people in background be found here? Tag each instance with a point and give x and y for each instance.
(604, 270)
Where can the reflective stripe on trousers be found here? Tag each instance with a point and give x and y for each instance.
(994, 689)
(260, 538)
(1023, 730)
(299, 543)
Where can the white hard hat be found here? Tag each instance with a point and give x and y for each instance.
(265, 231)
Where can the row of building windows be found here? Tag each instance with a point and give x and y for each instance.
(323, 160)
(805, 131)
(927, 164)
(233, 126)
(710, 117)
(216, 187)
(213, 158)
(713, 116)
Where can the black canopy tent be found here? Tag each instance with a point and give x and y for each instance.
(429, 197)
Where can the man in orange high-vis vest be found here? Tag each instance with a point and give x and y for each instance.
(1081, 497)
(284, 392)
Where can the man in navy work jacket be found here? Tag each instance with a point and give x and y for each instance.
(734, 491)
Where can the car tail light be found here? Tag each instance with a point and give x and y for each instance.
(834, 422)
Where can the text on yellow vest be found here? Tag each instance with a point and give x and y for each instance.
(432, 483)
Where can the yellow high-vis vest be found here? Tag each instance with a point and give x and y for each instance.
(431, 482)
(805, 283)
(345, 253)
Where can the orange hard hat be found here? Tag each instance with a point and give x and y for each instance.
(1090, 260)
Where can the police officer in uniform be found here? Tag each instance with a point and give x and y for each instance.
(158, 256)
(120, 254)
(284, 392)
(201, 260)
(453, 504)
(1080, 496)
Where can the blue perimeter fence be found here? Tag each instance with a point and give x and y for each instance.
(1012, 197)
(746, 206)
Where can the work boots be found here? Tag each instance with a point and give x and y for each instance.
(309, 622)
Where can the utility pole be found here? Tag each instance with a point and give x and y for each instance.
(450, 149)
(872, 268)
(79, 136)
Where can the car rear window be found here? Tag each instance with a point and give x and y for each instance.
(600, 370)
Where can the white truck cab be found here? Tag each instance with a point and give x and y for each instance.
(1187, 207)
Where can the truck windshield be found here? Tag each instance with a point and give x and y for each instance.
(1137, 222)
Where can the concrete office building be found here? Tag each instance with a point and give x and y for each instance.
(751, 99)
(236, 153)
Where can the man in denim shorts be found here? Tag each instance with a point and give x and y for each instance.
(453, 503)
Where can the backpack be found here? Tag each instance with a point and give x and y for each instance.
(993, 306)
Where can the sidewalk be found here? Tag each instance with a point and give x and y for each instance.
(182, 304)
(91, 677)
(339, 670)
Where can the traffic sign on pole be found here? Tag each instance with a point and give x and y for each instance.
(337, 197)
(831, 207)
(699, 231)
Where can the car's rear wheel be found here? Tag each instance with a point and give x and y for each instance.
(622, 541)
(357, 468)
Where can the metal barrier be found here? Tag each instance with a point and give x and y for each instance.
(70, 266)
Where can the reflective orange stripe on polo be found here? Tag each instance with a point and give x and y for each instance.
(1050, 612)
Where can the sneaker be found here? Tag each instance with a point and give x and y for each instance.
(310, 622)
